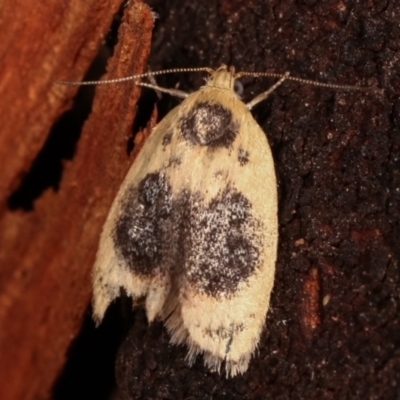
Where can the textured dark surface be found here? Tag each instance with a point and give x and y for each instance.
(333, 327)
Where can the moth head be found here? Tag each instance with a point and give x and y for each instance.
(222, 78)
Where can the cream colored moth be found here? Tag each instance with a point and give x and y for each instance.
(193, 228)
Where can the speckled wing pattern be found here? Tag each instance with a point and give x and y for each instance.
(193, 228)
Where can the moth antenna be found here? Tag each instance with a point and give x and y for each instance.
(308, 81)
(135, 77)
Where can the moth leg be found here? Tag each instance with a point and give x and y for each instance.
(172, 92)
(153, 81)
(264, 95)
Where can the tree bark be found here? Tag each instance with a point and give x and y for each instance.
(47, 253)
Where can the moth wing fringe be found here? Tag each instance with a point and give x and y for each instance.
(179, 334)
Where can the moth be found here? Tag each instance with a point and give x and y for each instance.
(193, 229)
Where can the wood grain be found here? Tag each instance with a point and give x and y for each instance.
(46, 255)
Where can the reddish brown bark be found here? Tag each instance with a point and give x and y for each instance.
(46, 255)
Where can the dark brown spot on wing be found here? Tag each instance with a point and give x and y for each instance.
(243, 157)
(167, 139)
(209, 124)
(225, 243)
(174, 162)
(140, 232)
(221, 174)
